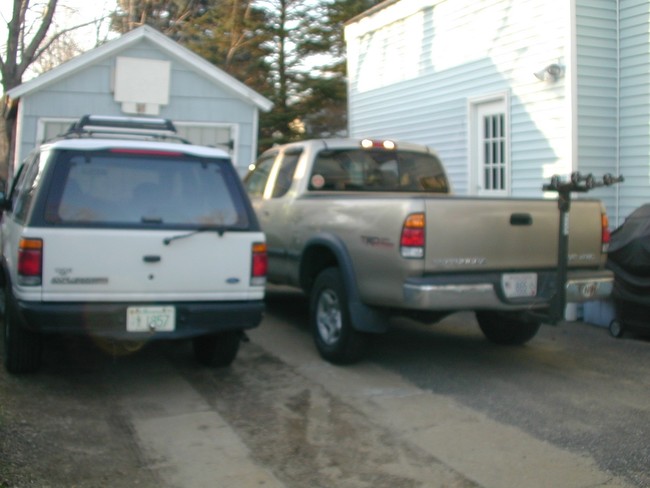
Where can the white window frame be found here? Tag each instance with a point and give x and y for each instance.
(234, 134)
(476, 141)
(43, 121)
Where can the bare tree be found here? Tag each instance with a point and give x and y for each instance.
(31, 35)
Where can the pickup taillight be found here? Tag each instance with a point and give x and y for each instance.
(259, 265)
(412, 239)
(605, 234)
(30, 261)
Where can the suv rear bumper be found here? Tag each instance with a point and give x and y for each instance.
(109, 319)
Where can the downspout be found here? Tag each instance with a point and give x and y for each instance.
(618, 110)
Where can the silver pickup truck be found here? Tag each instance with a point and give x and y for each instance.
(370, 230)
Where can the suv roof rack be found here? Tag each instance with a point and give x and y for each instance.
(129, 127)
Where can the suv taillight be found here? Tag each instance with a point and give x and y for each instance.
(30, 261)
(412, 239)
(260, 264)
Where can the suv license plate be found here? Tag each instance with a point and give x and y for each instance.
(519, 285)
(150, 319)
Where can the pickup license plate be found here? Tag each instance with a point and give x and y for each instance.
(519, 285)
(150, 319)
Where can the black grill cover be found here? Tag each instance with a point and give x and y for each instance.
(629, 249)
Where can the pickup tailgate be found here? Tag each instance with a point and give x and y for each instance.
(508, 235)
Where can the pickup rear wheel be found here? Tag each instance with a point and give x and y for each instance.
(335, 338)
(508, 329)
(217, 349)
(23, 347)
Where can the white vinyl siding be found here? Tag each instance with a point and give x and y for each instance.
(613, 47)
(411, 78)
(416, 69)
(597, 111)
(634, 103)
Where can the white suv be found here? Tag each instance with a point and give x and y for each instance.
(118, 231)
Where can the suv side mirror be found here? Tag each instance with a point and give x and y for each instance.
(4, 203)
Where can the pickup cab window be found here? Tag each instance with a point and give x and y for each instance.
(269, 171)
(377, 170)
(256, 180)
(285, 173)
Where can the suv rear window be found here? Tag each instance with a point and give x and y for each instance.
(377, 170)
(124, 187)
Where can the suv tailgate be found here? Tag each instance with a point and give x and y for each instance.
(136, 265)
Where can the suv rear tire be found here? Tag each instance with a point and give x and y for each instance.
(23, 347)
(217, 349)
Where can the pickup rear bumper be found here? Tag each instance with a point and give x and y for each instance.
(485, 291)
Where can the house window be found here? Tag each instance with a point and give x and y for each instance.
(50, 128)
(494, 154)
(207, 134)
(490, 172)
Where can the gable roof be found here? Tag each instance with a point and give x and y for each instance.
(131, 38)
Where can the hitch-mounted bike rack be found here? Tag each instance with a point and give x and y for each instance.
(578, 184)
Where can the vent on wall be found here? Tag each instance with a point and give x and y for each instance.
(141, 85)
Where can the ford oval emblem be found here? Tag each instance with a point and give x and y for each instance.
(232, 281)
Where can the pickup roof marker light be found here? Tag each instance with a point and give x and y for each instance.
(412, 239)
(30, 261)
(259, 265)
(378, 144)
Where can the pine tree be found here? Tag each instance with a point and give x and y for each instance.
(290, 51)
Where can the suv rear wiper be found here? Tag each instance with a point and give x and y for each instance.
(219, 230)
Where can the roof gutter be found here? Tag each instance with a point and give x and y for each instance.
(371, 10)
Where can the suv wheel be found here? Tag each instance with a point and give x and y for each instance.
(23, 347)
(217, 349)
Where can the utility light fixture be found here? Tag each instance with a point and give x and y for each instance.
(552, 72)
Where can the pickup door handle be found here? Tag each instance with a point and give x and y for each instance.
(521, 219)
(151, 258)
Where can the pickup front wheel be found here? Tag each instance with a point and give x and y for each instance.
(508, 329)
(334, 336)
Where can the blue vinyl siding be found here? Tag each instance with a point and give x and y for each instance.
(193, 99)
